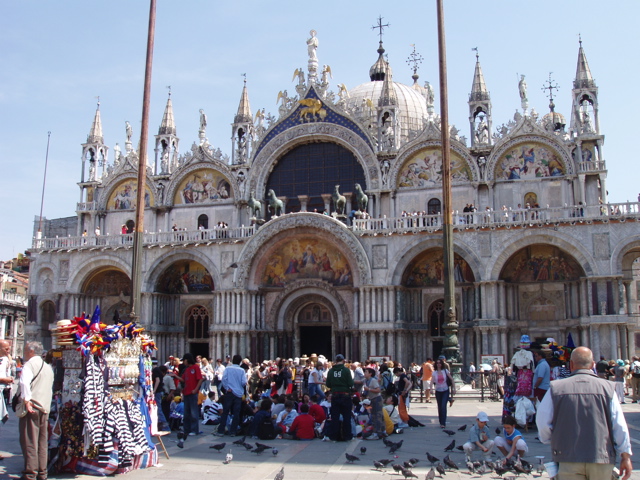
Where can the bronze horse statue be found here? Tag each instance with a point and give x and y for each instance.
(275, 203)
(339, 201)
(361, 198)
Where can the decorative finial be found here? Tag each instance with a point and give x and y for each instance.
(169, 88)
(580, 40)
(380, 27)
(245, 77)
(475, 49)
(98, 97)
(550, 85)
(414, 60)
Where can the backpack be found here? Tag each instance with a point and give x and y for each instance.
(388, 385)
(266, 430)
(636, 368)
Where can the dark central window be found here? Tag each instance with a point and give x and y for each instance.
(315, 169)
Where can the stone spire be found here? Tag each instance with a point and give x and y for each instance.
(244, 108)
(166, 149)
(584, 111)
(479, 108)
(95, 135)
(380, 69)
(242, 130)
(583, 73)
(168, 126)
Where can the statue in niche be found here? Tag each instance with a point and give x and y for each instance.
(386, 166)
(482, 132)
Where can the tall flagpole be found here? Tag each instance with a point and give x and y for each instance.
(451, 349)
(138, 233)
(44, 182)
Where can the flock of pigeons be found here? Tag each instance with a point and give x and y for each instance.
(519, 466)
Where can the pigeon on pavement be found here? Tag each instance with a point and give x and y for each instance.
(218, 447)
(240, 441)
(274, 451)
(450, 463)
(363, 450)
(378, 465)
(431, 474)
(351, 458)
(259, 449)
(407, 473)
(228, 458)
(432, 459)
(440, 469)
(449, 432)
(451, 446)
(462, 428)
(385, 461)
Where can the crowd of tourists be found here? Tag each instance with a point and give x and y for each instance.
(302, 398)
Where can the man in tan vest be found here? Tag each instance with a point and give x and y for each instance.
(36, 389)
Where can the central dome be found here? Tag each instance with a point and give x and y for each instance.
(411, 105)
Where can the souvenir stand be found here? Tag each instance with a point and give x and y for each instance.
(104, 408)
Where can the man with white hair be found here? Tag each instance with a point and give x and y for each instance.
(36, 390)
(358, 377)
(581, 418)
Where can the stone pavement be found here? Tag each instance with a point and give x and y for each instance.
(317, 460)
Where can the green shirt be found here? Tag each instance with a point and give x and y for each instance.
(339, 379)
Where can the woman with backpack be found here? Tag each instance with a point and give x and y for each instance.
(444, 386)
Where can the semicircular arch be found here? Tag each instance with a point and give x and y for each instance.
(89, 268)
(253, 255)
(623, 255)
(159, 266)
(268, 156)
(528, 238)
(218, 173)
(110, 197)
(403, 258)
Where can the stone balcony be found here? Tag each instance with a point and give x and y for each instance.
(10, 298)
(412, 223)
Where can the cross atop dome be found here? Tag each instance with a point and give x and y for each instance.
(380, 27)
(550, 85)
(414, 60)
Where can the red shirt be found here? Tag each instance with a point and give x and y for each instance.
(317, 412)
(192, 375)
(303, 427)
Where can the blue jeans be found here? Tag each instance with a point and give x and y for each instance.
(341, 405)
(314, 389)
(442, 399)
(191, 414)
(233, 405)
(161, 418)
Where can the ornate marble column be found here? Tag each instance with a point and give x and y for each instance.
(303, 199)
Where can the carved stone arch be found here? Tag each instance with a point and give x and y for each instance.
(45, 270)
(113, 183)
(250, 256)
(164, 261)
(212, 164)
(404, 257)
(297, 294)
(268, 156)
(416, 147)
(530, 237)
(511, 141)
(623, 255)
(88, 268)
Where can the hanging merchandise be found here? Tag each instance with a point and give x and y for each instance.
(106, 405)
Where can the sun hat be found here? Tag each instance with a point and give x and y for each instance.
(483, 417)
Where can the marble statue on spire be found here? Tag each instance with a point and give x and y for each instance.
(522, 89)
(312, 47)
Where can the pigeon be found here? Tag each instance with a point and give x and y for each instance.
(387, 443)
(462, 428)
(449, 432)
(397, 468)
(241, 441)
(451, 446)
(440, 469)
(263, 446)
(408, 465)
(407, 473)
(519, 468)
(500, 470)
(413, 461)
(490, 465)
(363, 450)
(280, 474)
(432, 459)
(218, 447)
(351, 458)
(460, 447)
(482, 469)
(274, 451)
(526, 465)
(228, 458)
(378, 465)
(247, 446)
(498, 431)
(471, 467)
(450, 463)
(431, 474)
(259, 449)
(385, 461)
(395, 446)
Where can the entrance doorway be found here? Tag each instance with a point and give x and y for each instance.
(197, 348)
(316, 339)
(437, 346)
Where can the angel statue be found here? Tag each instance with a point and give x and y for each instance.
(326, 71)
(300, 74)
(343, 93)
(259, 120)
(286, 102)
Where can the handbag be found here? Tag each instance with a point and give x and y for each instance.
(17, 405)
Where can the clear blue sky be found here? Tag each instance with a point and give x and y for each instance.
(57, 57)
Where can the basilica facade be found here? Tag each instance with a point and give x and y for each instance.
(320, 230)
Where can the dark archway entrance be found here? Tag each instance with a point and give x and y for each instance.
(199, 348)
(316, 339)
